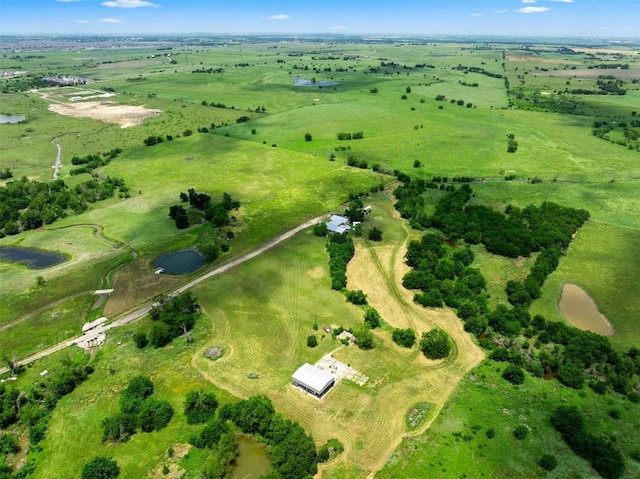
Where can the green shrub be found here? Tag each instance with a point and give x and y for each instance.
(548, 462)
(435, 344)
(404, 337)
(520, 432)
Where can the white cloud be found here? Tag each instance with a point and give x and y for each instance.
(279, 17)
(475, 14)
(339, 28)
(532, 10)
(528, 1)
(82, 21)
(129, 4)
(501, 11)
(109, 20)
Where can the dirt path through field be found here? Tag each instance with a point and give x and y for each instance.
(378, 270)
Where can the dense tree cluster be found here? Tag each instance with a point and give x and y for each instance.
(91, 162)
(26, 204)
(604, 457)
(216, 213)
(435, 344)
(172, 316)
(138, 410)
(517, 232)
(445, 276)
(293, 452)
(341, 249)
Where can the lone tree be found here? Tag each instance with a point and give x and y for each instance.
(375, 234)
(435, 344)
(307, 137)
(100, 467)
(199, 407)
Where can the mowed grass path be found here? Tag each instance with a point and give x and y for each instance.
(263, 313)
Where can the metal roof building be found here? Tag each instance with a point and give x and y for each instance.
(312, 379)
(338, 224)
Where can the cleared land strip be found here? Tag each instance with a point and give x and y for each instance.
(143, 310)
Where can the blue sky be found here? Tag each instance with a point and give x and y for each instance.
(583, 18)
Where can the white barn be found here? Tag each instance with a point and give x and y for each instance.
(338, 224)
(313, 380)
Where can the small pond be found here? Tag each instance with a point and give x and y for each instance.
(11, 118)
(305, 82)
(32, 258)
(253, 459)
(179, 262)
(579, 310)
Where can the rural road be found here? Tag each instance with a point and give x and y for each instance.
(143, 310)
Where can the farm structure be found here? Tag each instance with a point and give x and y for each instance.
(338, 224)
(312, 380)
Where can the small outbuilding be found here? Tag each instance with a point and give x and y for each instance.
(312, 380)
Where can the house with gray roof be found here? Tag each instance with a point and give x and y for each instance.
(338, 224)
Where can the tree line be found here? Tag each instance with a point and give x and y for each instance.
(32, 409)
(508, 332)
(27, 204)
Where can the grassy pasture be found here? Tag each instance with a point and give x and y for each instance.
(75, 433)
(456, 445)
(603, 260)
(33, 317)
(142, 222)
(263, 311)
(262, 314)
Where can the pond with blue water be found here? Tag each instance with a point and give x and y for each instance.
(297, 81)
(179, 262)
(11, 118)
(32, 258)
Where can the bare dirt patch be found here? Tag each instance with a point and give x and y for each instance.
(109, 112)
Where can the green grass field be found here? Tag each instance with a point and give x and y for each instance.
(262, 311)
(456, 445)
